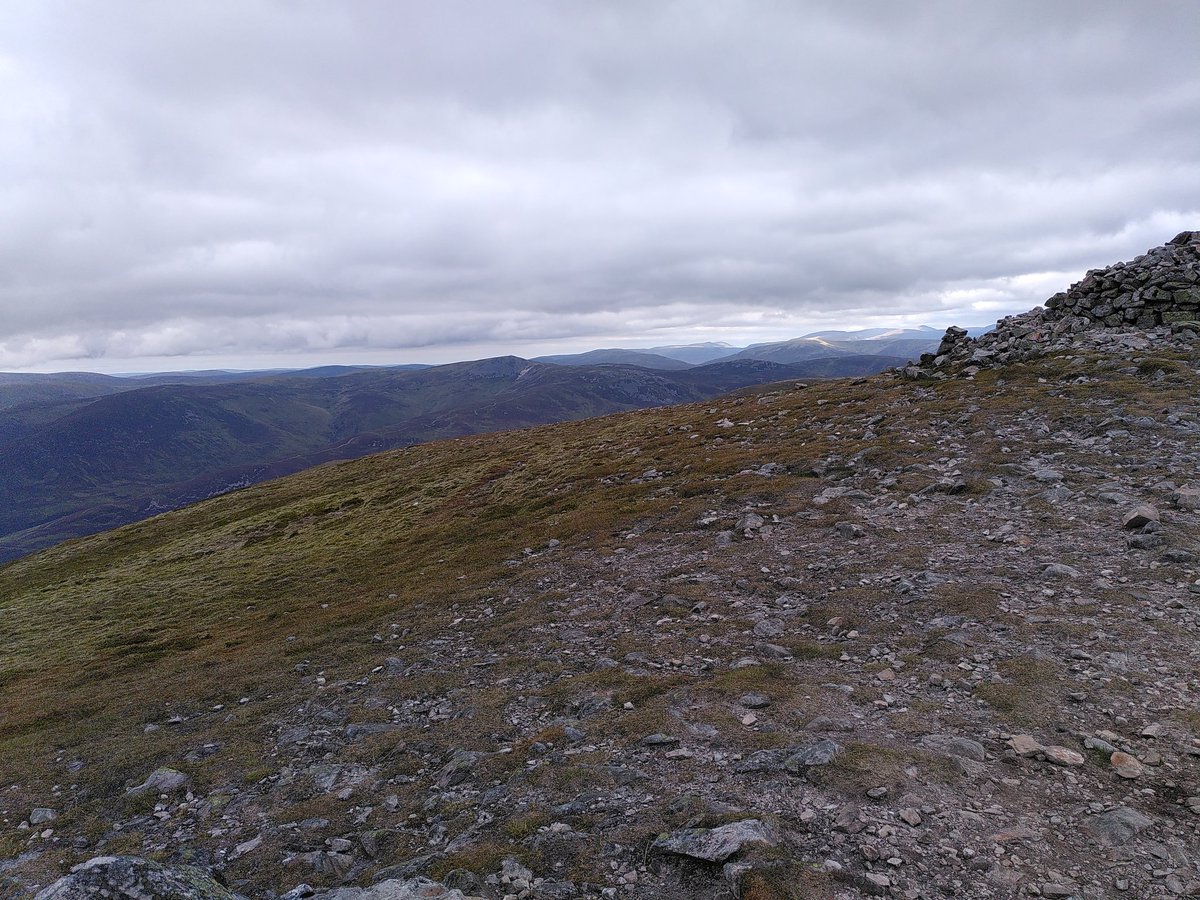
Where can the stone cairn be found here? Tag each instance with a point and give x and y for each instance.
(1153, 299)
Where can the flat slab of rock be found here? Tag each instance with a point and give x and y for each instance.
(954, 745)
(716, 845)
(1063, 756)
(1117, 826)
(121, 877)
(1025, 745)
(162, 781)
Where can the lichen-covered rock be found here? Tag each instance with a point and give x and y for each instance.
(133, 878)
(717, 844)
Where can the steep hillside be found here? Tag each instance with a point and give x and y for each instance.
(883, 636)
(78, 466)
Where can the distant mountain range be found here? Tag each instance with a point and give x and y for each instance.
(81, 452)
(889, 344)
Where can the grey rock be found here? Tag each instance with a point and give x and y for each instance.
(773, 651)
(1187, 497)
(1060, 570)
(1144, 541)
(41, 815)
(761, 761)
(749, 522)
(133, 878)
(849, 530)
(717, 844)
(294, 735)
(161, 781)
(1117, 826)
(954, 745)
(821, 753)
(1140, 517)
(659, 740)
(768, 628)
(330, 863)
(458, 769)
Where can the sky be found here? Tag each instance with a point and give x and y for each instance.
(261, 183)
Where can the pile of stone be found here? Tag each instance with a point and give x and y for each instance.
(1151, 300)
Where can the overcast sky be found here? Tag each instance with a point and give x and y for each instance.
(246, 182)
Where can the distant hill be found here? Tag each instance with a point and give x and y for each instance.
(921, 332)
(696, 354)
(615, 356)
(805, 349)
(74, 466)
(21, 388)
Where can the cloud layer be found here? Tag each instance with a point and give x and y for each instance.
(246, 178)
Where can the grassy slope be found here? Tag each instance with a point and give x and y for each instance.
(201, 607)
(75, 469)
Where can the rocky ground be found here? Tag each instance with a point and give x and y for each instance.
(906, 637)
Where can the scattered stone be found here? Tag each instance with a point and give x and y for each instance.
(1187, 497)
(1140, 517)
(717, 844)
(41, 815)
(1063, 756)
(1060, 570)
(1025, 745)
(659, 740)
(821, 753)
(162, 781)
(458, 769)
(1126, 766)
(954, 745)
(1117, 826)
(246, 847)
(749, 523)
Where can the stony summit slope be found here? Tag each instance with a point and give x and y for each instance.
(925, 634)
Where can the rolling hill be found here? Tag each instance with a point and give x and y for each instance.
(75, 466)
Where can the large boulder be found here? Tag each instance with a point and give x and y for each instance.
(133, 878)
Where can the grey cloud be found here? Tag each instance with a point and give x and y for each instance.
(259, 177)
